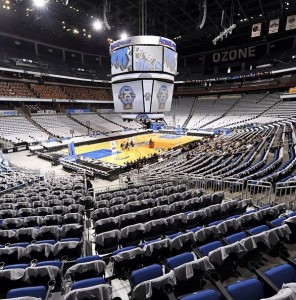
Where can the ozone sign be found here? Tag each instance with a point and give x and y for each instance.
(234, 55)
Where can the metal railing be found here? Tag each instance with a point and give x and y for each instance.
(261, 192)
(285, 192)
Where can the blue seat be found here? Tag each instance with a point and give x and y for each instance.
(204, 250)
(195, 229)
(23, 245)
(52, 242)
(233, 217)
(291, 214)
(70, 240)
(259, 229)
(249, 211)
(203, 295)
(178, 260)
(236, 237)
(246, 290)
(144, 274)
(34, 291)
(87, 283)
(123, 250)
(172, 236)
(278, 222)
(215, 223)
(54, 263)
(281, 274)
(86, 259)
(16, 266)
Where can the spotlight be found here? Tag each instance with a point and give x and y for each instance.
(123, 36)
(98, 25)
(39, 3)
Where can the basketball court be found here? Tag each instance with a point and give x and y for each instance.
(103, 152)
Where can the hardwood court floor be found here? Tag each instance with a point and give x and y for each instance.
(162, 142)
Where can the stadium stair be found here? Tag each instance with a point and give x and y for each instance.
(111, 121)
(191, 113)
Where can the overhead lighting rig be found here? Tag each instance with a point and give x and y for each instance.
(224, 34)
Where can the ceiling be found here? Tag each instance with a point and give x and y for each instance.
(175, 19)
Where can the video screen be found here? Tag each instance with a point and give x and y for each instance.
(162, 96)
(121, 60)
(170, 61)
(147, 58)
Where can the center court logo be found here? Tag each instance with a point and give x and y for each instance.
(127, 97)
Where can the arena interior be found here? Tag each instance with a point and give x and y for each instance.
(148, 149)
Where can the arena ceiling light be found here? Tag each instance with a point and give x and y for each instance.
(124, 35)
(97, 25)
(40, 3)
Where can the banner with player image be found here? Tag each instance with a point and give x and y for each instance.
(291, 22)
(128, 96)
(121, 60)
(147, 86)
(256, 30)
(162, 96)
(147, 58)
(170, 61)
(274, 26)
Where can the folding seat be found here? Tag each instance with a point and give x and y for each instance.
(38, 203)
(100, 213)
(187, 195)
(72, 218)
(144, 195)
(207, 248)
(38, 252)
(39, 292)
(235, 237)
(26, 234)
(126, 260)
(176, 207)
(159, 212)
(197, 218)
(71, 231)
(48, 232)
(117, 210)
(105, 196)
(144, 215)
(160, 286)
(4, 206)
(12, 223)
(26, 212)
(126, 220)
(8, 213)
(11, 255)
(132, 235)
(203, 295)
(156, 193)
(155, 187)
(51, 220)
(277, 222)
(134, 206)
(117, 201)
(59, 209)
(163, 200)
(50, 197)
(130, 198)
(169, 190)
(43, 211)
(190, 273)
(86, 201)
(217, 197)
(280, 275)
(167, 184)
(155, 229)
(175, 223)
(182, 242)
(147, 203)
(118, 194)
(101, 204)
(206, 235)
(86, 267)
(68, 201)
(7, 237)
(46, 274)
(246, 289)
(228, 208)
(67, 250)
(76, 208)
(101, 292)
(106, 224)
(23, 204)
(143, 189)
(107, 242)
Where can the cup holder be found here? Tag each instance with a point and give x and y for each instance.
(214, 276)
(34, 262)
(2, 264)
(168, 288)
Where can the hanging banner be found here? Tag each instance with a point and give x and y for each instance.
(291, 22)
(113, 147)
(256, 30)
(274, 26)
